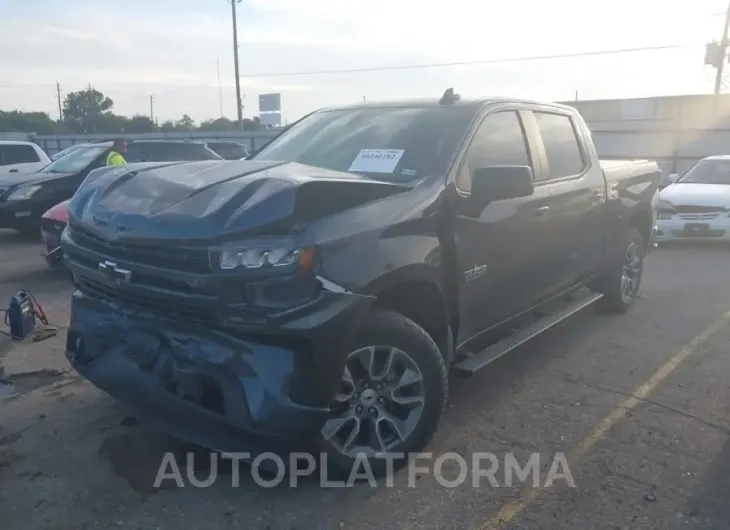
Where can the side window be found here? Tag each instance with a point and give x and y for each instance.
(562, 145)
(167, 152)
(499, 141)
(136, 153)
(18, 154)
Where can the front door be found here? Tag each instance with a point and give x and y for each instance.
(500, 248)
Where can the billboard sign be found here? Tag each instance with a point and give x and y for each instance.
(269, 102)
(270, 118)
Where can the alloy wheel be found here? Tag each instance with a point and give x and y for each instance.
(379, 404)
(631, 272)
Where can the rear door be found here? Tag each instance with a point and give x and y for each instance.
(577, 191)
(500, 248)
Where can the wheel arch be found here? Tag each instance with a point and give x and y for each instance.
(416, 293)
(642, 220)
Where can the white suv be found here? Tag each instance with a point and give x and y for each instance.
(21, 157)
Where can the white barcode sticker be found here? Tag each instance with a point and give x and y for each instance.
(377, 160)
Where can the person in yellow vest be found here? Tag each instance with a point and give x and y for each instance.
(115, 156)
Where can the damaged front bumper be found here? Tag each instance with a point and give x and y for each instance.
(221, 389)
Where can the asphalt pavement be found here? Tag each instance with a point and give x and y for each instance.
(638, 404)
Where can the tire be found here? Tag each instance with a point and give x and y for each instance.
(384, 333)
(615, 297)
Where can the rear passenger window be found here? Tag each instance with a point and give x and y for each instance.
(17, 154)
(562, 146)
(136, 153)
(499, 141)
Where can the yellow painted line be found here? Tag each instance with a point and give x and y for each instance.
(511, 510)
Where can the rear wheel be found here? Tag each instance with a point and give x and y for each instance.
(622, 285)
(392, 394)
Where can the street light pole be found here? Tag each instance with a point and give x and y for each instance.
(235, 61)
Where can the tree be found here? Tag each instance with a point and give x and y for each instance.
(30, 122)
(140, 124)
(220, 124)
(83, 110)
(186, 123)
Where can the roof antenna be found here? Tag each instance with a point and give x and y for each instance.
(449, 97)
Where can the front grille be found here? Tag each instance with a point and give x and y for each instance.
(172, 258)
(170, 309)
(699, 209)
(698, 216)
(704, 234)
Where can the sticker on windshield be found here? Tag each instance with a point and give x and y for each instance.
(376, 160)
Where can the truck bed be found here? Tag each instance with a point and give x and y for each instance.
(626, 169)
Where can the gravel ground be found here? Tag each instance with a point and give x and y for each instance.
(639, 404)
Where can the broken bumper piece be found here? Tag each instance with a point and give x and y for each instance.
(208, 387)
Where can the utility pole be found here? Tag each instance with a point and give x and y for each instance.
(220, 87)
(60, 107)
(239, 106)
(719, 50)
(152, 108)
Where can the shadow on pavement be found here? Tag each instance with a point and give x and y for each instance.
(709, 506)
(36, 277)
(11, 236)
(716, 246)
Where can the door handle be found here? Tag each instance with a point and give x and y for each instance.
(541, 211)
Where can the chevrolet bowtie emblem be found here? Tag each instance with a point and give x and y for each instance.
(114, 273)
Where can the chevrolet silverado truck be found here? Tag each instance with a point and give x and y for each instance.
(318, 293)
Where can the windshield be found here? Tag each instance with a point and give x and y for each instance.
(75, 161)
(394, 144)
(708, 172)
(66, 151)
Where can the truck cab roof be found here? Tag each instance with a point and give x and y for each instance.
(475, 103)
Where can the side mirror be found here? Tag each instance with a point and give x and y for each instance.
(673, 177)
(496, 183)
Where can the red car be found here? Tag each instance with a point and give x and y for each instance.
(52, 224)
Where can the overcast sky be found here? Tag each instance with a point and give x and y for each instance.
(130, 49)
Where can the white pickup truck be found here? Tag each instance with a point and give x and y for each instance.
(21, 157)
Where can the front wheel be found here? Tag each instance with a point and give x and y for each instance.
(622, 285)
(391, 397)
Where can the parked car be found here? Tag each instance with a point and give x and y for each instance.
(696, 205)
(53, 221)
(319, 292)
(229, 150)
(66, 151)
(24, 198)
(21, 158)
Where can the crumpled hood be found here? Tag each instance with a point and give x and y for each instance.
(689, 194)
(215, 200)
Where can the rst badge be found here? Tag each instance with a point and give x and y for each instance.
(114, 273)
(476, 272)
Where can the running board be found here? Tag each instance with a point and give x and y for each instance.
(476, 362)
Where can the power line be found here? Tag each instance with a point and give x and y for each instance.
(27, 86)
(457, 63)
(432, 65)
(478, 62)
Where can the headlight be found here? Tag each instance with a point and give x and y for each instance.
(665, 206)
(260, 255)
(22, 194)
